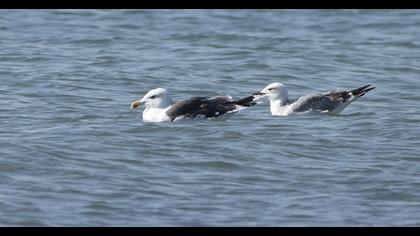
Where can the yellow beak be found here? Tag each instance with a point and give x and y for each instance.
(136, 104)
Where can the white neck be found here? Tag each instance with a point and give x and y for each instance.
(278, 106)
(155, 115)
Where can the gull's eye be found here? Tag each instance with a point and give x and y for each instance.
(153, 97)
(270, 89)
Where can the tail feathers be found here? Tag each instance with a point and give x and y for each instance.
(361, 91)
(246, 101)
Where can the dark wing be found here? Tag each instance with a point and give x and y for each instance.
(246, 101)
(292, 100)
(196, 106)
(344, 96)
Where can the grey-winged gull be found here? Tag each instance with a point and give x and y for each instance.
(160, 108)
(332, 102)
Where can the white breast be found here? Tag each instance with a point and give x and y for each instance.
(155, 115)
(278, 110)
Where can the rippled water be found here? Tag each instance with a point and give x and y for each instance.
(72, 153)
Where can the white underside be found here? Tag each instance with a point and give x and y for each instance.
(155, 115)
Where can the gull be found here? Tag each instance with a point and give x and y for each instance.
(159, 106)
(332, 102)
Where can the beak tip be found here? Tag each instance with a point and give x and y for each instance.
(134, 105)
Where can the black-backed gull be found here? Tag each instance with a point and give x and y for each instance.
(160, 108)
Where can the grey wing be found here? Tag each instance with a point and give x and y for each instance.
(316, 102)
(330, 100)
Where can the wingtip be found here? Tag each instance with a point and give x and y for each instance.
(367, 90)
(365, 87)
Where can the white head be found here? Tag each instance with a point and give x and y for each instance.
(156, 98)
(273, 91)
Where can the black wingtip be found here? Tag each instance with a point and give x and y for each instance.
(246, 101)
(362, 90)
(367, 90)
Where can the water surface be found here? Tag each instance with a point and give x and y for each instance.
(72, 153)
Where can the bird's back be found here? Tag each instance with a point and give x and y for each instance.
(200, 106)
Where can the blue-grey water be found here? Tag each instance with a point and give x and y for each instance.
(72, 153)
